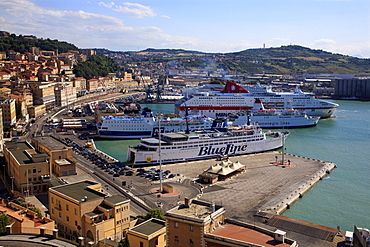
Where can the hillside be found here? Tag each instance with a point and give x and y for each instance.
(23, 45)
(284, 59)
(294, 59)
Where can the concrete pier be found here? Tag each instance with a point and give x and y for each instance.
(265, 187)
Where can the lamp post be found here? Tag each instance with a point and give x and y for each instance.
(159, 154)
(282, 154)
(12, 178)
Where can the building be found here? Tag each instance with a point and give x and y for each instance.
(352, 88)
(88, 52)
(8, 112)
(187, 223)
(43, 94)
(65, 94)
(61, 159)
(83, 209)
(80, 84)
(28, 168)
(23, 220)
(36, 111)
(1, 132)
(150, 233)
(198, 223)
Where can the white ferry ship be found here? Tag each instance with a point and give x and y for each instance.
(274, 118)
(146, 125)
(178, 147)
(234, 98)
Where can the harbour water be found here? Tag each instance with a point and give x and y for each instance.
(342, 198)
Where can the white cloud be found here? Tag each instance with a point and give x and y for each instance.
(136, 10)
(107, 5)
(165, 16)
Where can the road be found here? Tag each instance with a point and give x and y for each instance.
(86, 170)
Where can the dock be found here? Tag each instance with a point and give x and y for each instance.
(263, 189)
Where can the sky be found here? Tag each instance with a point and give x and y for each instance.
(337, 26)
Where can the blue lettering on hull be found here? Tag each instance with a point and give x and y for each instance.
(229, 149)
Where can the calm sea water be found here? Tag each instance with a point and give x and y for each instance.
(342, 198)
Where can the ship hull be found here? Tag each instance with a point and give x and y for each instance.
(201, 151)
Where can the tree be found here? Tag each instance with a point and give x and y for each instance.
(4, 221)
(36, 210)
(124, 243)
(20, 201)
(154, 213)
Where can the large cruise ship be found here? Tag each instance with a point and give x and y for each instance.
(178, 147)
(234, 98)
(273, 118)
(146, 125)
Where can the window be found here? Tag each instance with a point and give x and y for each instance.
(75, 211)
(67, 207)
(191, 242)
(39, 170)
(177, 239)
(141, 244)
(176, 224)
(67, 218)
(75, 222)
(34, 170)
(191, 228)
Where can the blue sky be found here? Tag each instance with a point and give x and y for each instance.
(338, 26)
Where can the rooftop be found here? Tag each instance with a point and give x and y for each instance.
(245, 234)
(149, 227)
(195, 209)
(79, 191)
(50, 142)
(18, 149)
(116, 200)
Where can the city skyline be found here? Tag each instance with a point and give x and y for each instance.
(337, 26)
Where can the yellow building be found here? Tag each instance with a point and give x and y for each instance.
(83, 209)
(36, 111)
(28, 168)
(61, 161)
(9, 114)
(187, 223)
(150, 233)
(43, 94)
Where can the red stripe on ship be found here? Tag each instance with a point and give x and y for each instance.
(304, 108)
(230, 108)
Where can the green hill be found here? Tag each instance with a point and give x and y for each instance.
(294, 59)
(23, 45)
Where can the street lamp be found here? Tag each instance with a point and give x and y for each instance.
(12, 178)
(159, 154)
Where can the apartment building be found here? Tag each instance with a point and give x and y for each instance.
(92, 84)
(65, 94)
(83, 208)
(28, 168)
(61, 158)
(187, 223)
(36, 111)
(8, 112)
(80, 84)
(43, 94)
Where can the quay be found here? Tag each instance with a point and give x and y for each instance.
(264, 188)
